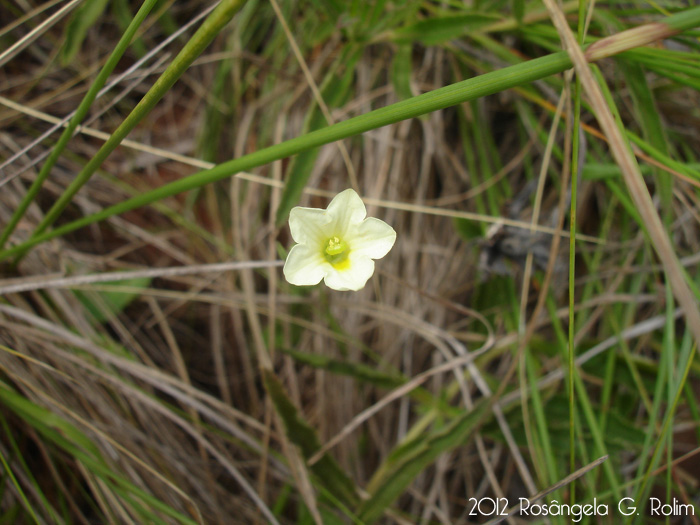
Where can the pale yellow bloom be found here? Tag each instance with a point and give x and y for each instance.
(336, 244)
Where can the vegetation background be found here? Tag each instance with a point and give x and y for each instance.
(156, 367)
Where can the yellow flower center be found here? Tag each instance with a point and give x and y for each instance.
(336, 253)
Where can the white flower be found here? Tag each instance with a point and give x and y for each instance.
(336, 244)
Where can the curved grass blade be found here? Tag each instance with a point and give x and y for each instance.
(441, 98)
(63, 434)
(410, 459)
(105, 305)
(470, 89)
(304, 436)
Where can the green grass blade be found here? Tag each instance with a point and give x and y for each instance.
(550, 472)
(304, 436)
(411, 458)
(470, 89)
(441, 98)
(194, 47)
(359, 371)
(335, 91)
(18, 488)
(80, 113)
(77, 28)
(17, 453)
(438, 30)
(401, 67)
(104, 305)
(65, 435)
(652, 127)
(666, 429)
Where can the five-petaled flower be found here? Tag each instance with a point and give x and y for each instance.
(336, 244)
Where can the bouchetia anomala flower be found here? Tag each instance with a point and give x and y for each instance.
(336, 244)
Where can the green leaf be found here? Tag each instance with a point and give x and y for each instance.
(76, 30)
(335, 91)
(123, 16)
(623, 433)
(519, 10)
(468, 230)
(440, 30)
(299, 432)
(105, 305)
(359, 371)
(401, 71)
(409, 459)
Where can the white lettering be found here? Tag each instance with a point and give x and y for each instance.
(675, 508)
(686, 509)
(491, 507)
(576, 510)
(555, 509)
(630, 510)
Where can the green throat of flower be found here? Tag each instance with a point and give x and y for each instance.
(336, 253)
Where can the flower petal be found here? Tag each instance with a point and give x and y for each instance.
(371, 238)
(354, 277)
(309, 225)
(305, 266)
(346, 209)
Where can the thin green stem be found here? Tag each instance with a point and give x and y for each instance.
(18, 488)
(80, 113)
(483, 85)
(575, 147)
(665, 427)
(473, 88)
(193, 48)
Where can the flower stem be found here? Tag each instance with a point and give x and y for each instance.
(470, 89)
